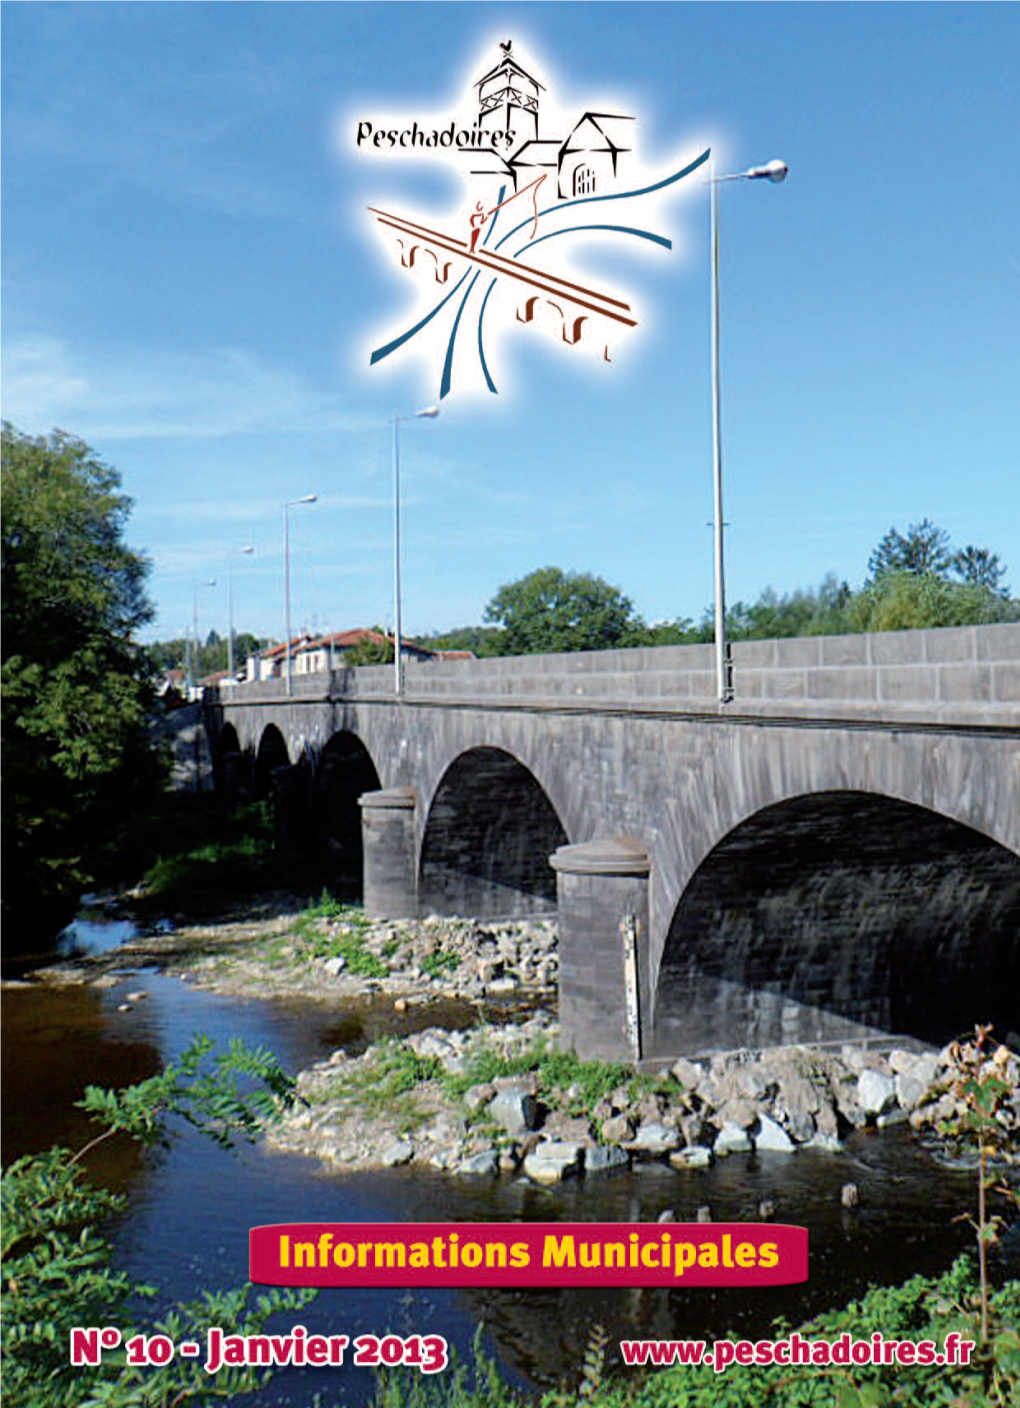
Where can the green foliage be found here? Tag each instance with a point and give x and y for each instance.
(981, 568)
(370, 652)
(345, 940)
(194, 859)
(923, 551)
(918, 580)
(57, 1264)
(923, 1308)
(76, 756)
(798, 613)
(573, 1084)
(906, 601)
(482, 641)
(439, 963)
(552, 610)
(209, 658)
(987, 1120)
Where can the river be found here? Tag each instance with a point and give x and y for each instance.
(190, 1206)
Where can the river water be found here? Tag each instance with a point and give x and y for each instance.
(191, 1206)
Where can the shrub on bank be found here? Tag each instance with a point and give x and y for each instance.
(924, 1308)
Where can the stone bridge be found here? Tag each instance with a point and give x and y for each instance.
(833, 856)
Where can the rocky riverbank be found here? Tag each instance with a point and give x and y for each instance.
(506, 1101)
(501, 1098)
(332, 952)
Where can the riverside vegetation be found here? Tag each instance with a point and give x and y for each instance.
(486, 1101)
(57, 1273)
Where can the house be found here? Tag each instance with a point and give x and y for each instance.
(588, 158)
(310, 655)
(586, 163)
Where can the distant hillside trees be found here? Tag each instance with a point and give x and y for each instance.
(210, 657)
(917, 580)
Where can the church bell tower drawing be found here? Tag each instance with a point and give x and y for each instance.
(508, 100)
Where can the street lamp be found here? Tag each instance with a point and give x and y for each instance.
(772, 171)
(242, 552)
(288, 505)
(194, 631)
(429, 413)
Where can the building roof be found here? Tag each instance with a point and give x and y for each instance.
(343, 640)
(606, 131)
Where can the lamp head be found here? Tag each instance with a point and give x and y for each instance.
(771, 171)
(429, 413)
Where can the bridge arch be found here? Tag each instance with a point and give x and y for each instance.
(841, 914)
(488, 836)
(271, 754)
(231, 767)
(344, 772)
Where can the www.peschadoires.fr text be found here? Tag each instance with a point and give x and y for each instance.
(796, 1349)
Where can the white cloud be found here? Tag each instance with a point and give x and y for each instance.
(153, 394)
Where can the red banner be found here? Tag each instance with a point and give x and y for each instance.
(527, 1254)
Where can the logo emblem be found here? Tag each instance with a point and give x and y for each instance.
(535, 197)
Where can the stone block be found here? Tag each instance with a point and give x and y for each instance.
(695, 1157)
(902, 683)
(552, 1161)
(844, 650)
(964, 683)
(731, 1139)
(772, 1137)
(998, 642)
(843, 682)
(654, 1137)
(600, 1159)
(876, 1091)
(1006, 683)
(483, 1165)
(950, 643)
(897, 647)
(516, 1110)
(798, 651)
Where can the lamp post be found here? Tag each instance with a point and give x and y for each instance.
(429, 413)
(772, 171)
(194, 631)
(288, 505)
(244, 552)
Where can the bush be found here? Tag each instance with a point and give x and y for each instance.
(57, 1261)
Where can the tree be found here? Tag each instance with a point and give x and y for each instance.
(924, 551)
(902, 601)
(76, 756)
(58, 1271)
(981, 568)
(375, 648)
(551, 610)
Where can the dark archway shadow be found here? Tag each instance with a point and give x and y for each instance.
(232, 769)
(837, 916)
(272, 754)
(345, 771)
(490, 832)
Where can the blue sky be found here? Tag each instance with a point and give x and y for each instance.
(192, 283)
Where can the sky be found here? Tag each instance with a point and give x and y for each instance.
(193, 283)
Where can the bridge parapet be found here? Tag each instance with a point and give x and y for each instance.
(964, 676)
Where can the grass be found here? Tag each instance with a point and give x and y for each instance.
(392, 1070)
(195, 859)
(347, 941)
(438, 964)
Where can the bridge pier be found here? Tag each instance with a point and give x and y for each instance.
(602, 905)
(390, 864)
